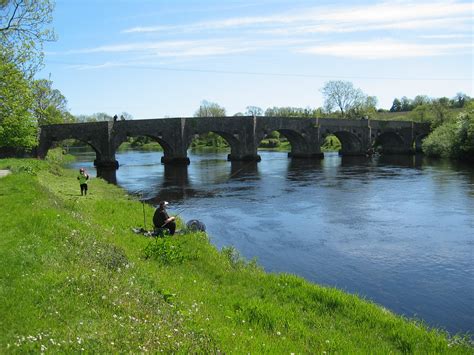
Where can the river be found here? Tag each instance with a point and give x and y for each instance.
(396, 230)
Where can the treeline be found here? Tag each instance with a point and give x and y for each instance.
(405, 104)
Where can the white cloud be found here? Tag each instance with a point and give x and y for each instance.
(192, 48)
(447, 36)
(95, 66)
(168, 48)
(389, 15)
(385, 49)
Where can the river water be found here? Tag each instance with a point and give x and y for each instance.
(396, 230)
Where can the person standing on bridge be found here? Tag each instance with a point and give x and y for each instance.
(162, 220)
(83, 177)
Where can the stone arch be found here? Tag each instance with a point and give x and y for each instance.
(389, 143)
(45, 144)
(418, 141)
(230, 138)
(167, 148)
(350, 143)
(297, 141)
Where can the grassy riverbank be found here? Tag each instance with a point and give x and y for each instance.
(74, 277)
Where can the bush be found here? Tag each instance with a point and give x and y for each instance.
(454, 138)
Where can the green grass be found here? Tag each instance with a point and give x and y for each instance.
(73, 276)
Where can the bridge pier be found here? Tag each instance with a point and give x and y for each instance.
(106, 164)
(301, 155)
(175, 160)
(247, 157)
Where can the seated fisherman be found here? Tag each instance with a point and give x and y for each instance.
(161, 219)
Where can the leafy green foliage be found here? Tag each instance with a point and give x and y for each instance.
(17, 126)
(24, 27)
(49, 105)
(210, 109)
(165, 251)
(331, 144)
(405, 104)
(350, 101)
(294, 112)
(453, 138)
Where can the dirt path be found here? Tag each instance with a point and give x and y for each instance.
(4, 173)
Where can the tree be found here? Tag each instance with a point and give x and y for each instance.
(210, 109)
(420, 100)
(49, 105)
(407, 104)
(364, 108)
(253, 111)
(460, 100)
(23, 30)
(454, 138)
(126, 116)
(341, 95)
(17, 126)
(396, 106)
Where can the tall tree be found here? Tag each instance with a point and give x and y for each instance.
(407, 104)
(396, 106)
(461, 99)
(253, 111)
(17, 126)
(24, 27)
(420, 100)
(49, 105)
(341, 95)
(365, 107)
(210, 109)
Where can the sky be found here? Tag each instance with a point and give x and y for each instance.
(162, 58)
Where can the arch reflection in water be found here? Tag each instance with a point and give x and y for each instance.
(245, 170)
(304, 169)
(175, 185)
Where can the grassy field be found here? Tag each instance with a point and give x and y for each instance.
(75, 278)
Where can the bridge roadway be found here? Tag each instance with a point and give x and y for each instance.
(243, 134)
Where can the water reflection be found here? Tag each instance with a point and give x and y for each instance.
(109, 175)
(406, 161)
(243, 170)
(175, 185)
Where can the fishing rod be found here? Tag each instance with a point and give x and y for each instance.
(144, 214)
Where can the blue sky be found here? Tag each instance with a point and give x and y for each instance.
(162, 58)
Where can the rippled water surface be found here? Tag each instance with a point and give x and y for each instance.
(396, 230)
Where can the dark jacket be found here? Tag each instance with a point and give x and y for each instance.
(160, 217)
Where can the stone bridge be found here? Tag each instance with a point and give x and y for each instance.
(243, 134)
